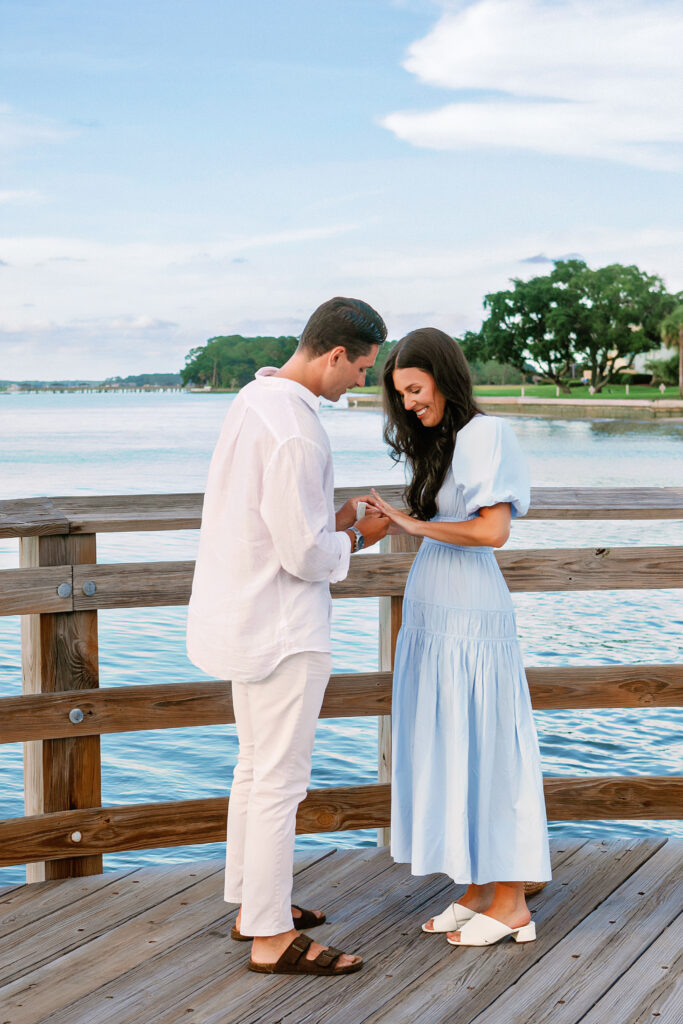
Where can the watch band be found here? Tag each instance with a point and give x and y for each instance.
(360, 539)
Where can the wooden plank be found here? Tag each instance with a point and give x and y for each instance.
(123, 513)
(209, 702)
(137, 584)
(606, 503)
(133, 585)
(182, 822)
(398, 956)
(601, 798)
(651, 989)
(176, 823)
(22, 904)
(168, 706)
(606, 686)
(90, 996)
(31, 517)
(157, 987)
(50, 936)
(23, 591)
(60, 652)
(137, 512)
(374, 919)
(49, 988)
(570, 978)
(434, 982)
(144, 584)
(570, 569)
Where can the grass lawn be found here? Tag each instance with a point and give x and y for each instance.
(613, 391)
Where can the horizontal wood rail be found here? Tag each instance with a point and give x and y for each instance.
(120, 513)
(50, 837)
(156, 584)
(181, 705)
(61, 587)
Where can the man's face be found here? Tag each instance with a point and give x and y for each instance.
(342, 374)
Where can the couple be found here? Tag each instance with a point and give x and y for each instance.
(467, 795)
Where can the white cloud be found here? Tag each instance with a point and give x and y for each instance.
(19, 129)
(114, 308)
(570, 77)
(22, 196)
(110, 309)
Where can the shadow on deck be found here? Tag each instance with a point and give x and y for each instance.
(152, 945)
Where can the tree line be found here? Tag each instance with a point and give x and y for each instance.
(573, 319)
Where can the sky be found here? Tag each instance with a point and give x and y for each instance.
(171, 170)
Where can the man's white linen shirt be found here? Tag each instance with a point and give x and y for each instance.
(268, 547)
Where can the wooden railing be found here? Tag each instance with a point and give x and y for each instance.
(60, 587)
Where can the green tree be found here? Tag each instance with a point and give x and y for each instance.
(598, 318)
(618, 314)
(672, 336)
(530, 323)
(230, 361)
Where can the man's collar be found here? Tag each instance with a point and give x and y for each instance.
(267, 375)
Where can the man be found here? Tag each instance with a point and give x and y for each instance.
(270, 546)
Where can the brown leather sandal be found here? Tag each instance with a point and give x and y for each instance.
(307, 920)
(294, 961)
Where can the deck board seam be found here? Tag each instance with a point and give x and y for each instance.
(577, 923)
(656, 847)
(72, 902)
(224, 916)
(97, 935)
(633, 963)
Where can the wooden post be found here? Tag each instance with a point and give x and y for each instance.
(59, 652)
(390, 618)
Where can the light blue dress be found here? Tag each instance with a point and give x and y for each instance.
(467, 793)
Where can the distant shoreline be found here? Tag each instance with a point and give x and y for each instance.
(560, 408)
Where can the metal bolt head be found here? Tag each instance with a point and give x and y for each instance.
(89, 588)
(76, 716)
(76, 837)
(64, 590)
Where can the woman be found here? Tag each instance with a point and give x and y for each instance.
(467, 794)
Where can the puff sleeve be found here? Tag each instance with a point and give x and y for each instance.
(489, 466)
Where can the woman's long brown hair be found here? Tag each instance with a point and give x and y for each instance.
(427, 450)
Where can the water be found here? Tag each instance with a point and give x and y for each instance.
(57, 444)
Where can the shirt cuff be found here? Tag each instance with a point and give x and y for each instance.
(342, 569)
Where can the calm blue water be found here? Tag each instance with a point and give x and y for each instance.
(139, 443)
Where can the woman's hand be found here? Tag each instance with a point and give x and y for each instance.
(402, 522)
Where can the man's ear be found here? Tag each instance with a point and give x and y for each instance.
(335, 354)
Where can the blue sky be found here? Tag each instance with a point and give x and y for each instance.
(175, 169)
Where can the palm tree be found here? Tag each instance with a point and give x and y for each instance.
(672, 336)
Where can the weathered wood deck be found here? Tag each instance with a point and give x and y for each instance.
(152, 945)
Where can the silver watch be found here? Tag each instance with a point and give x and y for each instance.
(360, 539)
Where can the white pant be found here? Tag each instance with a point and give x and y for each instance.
(276, 719)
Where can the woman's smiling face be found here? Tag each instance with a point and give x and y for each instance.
(420, 395)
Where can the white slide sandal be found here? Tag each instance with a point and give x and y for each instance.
(481, 930)
(451, 920)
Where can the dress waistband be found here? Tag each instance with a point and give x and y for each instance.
(479, 549)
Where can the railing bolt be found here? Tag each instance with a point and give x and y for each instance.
(76, 837)
(64, 590)
(89, 588)
(76, 716)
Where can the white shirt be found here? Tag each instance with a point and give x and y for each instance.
(268, 549)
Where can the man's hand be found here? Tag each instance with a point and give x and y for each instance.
(346, 515)
(373, 528)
